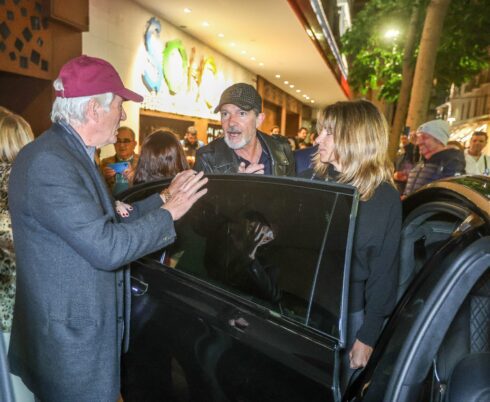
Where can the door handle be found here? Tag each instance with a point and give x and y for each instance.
(138, 287)
(238, 323)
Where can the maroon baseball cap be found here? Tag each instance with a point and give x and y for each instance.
(87, 76)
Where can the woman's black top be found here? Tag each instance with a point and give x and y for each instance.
(375, 259)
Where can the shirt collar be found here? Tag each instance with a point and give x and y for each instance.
(89, 149)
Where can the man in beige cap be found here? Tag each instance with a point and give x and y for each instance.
(244, 149)
(438, 160)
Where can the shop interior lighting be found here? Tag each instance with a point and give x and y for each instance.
(298, 90)
(221, 35)
(187, 10)
(205, 24)
(278, 75)
(253, 58)
(243, 52)
(286, 82)
(261, 64)
(312, 101)
(232, 44)
(291, 86)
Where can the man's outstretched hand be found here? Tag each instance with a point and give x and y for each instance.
(185, 190)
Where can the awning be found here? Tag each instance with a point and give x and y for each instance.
(462, 131)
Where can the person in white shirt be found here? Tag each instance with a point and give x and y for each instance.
(476, 161)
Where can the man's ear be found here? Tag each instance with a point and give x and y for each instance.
(93, 110)
(259, 120)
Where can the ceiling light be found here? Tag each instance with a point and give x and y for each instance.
(253, 58)
(187, 10)
(232, 44)
(221, 35)
(291, 86)
(261, 64)
(278, 75)
(298, 90)
(304, 95)
(243, 52)
(286, 82)
(205, 24)
(312, 101)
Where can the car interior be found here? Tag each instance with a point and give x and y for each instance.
(461, 367)
(424, 231)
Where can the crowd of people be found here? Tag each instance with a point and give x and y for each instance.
(70, 320)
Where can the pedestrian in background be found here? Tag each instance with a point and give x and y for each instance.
(118, 179)
(438, 161)
(161, 157)
(476, 161)
(15, 133)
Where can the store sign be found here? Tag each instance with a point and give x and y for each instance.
(179, 81)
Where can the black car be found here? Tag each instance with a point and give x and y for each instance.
(250, 302)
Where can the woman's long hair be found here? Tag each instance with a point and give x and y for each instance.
(15, 133)
(161, 156)
(360, 135)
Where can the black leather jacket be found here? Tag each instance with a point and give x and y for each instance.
(217, 157)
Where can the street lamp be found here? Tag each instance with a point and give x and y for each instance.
(392, 33)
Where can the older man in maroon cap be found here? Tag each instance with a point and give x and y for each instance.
(72, 302)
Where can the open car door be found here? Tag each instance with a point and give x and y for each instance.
(249, 303)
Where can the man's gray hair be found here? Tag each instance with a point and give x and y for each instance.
(75, 109)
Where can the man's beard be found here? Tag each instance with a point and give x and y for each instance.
(237, 145)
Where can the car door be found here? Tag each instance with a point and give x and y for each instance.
(450, 247)
(249, 302)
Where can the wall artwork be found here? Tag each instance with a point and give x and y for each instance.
(25, 45)
(178, 79)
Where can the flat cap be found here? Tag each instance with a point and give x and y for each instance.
(243, 95)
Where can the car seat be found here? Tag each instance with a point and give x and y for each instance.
(465, 345)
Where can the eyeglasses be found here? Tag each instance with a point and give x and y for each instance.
(124, 141)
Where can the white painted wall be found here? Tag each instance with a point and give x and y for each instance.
(116, 34)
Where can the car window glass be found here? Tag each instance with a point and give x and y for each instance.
(265, 240)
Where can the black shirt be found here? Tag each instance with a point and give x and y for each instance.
(375, 259)
(265, 159)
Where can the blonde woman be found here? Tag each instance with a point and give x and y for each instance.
(353, 149)
(15, 132)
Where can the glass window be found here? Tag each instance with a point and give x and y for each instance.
(277, 242)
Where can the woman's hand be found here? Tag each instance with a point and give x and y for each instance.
(123, 209)
(359, 354)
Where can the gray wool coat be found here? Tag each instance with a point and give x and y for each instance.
(72, 303)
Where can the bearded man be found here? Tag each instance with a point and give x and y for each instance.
(243, 148)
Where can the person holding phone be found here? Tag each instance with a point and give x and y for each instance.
(119, 168)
